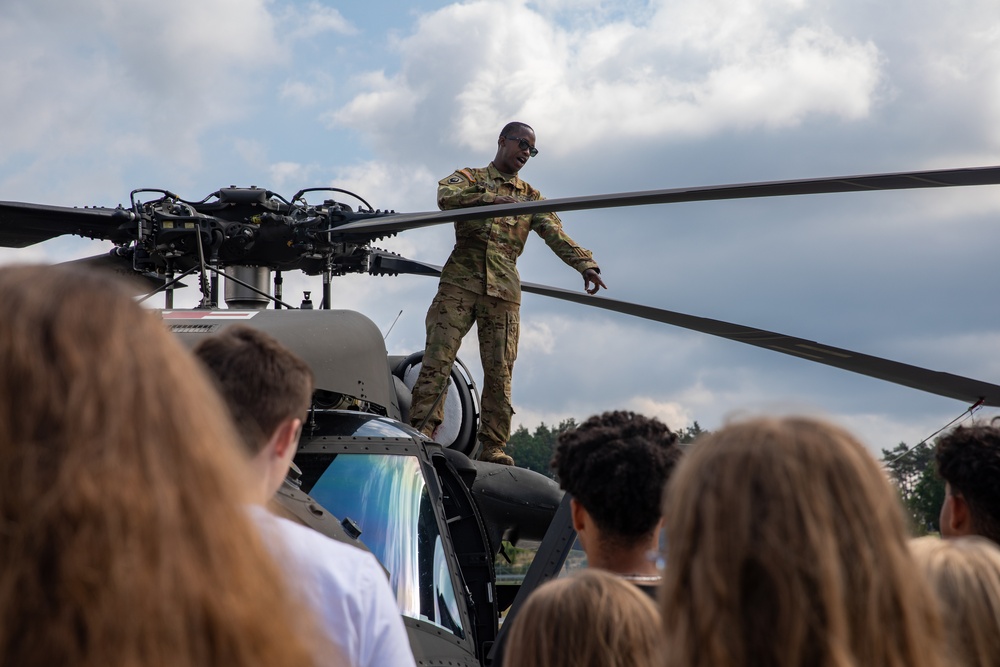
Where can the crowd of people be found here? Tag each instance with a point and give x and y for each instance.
(784, 544)
(134, 528)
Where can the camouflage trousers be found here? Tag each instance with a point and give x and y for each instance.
(448, 320)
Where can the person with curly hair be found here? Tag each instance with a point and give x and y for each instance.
(615, 466)
(968, 459)
(786, 547)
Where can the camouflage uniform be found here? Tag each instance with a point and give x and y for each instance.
(480, 283)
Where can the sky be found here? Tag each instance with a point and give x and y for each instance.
(99, 97)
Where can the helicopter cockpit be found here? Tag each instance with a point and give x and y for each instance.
(382, 497)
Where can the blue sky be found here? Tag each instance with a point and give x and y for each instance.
(98, 97)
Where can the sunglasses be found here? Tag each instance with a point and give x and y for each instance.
(524, 145)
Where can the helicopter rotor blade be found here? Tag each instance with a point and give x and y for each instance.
(22, 224)
(935, 382)
(893, 181)
(387, 263)
(122, 266)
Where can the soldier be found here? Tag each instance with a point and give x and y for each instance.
(479, 283)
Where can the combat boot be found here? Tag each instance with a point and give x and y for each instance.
(493, 453)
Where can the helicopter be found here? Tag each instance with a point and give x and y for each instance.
(433, 516)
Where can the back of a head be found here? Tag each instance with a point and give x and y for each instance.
(965, 575)
(616, 465)
(968, 458)
(263, 382)
(590, 618)
(787, 546)
(124, 540)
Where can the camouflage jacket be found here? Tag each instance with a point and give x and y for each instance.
(485, 254)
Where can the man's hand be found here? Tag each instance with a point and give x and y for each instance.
(591, 276)
(505, 199)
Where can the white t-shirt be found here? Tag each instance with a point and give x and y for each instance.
(347, 588)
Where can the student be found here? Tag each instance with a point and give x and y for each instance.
(268, 390)
(965, 575)
(615, 466)
(590, 618)
(124, 538)
(968, 459)
(786, 546)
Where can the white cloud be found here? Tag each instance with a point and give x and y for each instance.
(814, 72)
(120, 83)
(536, 337)
(251, 151)
(680, 72)
(308, 93)
(670, 413)
(288, 174)
(313, 20)
(388, 104)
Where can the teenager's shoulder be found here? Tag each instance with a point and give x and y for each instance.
(305, 541)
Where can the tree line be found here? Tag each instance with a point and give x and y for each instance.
(914, 473)
(533, 450)
(911, 470)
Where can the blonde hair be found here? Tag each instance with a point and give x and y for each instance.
(590, 618)
(965, 574)
(124, 539)
(787, 547)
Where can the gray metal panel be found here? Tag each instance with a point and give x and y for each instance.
(344, 348)
(435, 647)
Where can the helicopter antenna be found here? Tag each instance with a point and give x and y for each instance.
(386, 335)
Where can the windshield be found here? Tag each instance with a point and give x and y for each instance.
(386, 496)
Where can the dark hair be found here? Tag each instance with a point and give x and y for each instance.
(514, 126)
(616, 465)
(263, 382)
(968, 459)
